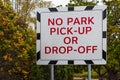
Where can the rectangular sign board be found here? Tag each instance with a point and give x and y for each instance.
(71, 35)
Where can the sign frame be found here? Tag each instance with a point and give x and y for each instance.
(102, 61)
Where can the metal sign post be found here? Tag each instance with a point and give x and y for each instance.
(52, 72)
(89, 71)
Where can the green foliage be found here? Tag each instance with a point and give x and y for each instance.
(80, 3)
(17, 45)
(64, 72)
(113, 46)
(113, 40)
(93, 74)
(39, 72)
(113, 12)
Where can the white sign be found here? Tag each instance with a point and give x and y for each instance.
(74, 35)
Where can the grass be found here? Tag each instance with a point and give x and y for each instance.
(85, 74)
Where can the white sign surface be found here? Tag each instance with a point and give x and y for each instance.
(73, 35)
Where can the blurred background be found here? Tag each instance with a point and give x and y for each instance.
(18, 42)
